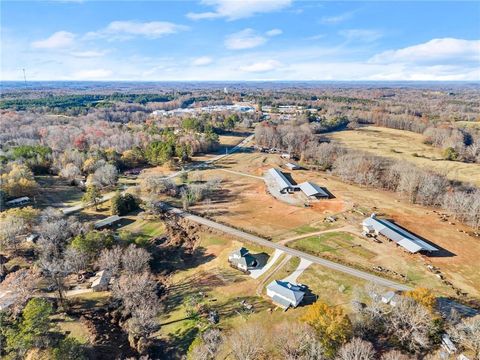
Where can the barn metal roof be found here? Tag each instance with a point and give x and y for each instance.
(397, 234)
(287, 290)
(312, 189)
(107, 221)
(281, 180)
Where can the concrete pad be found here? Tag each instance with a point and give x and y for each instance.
(256, 273)
(292, 278)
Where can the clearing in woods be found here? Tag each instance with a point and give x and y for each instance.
(408, 146)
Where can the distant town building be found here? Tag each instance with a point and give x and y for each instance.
(285, 294)
(403, 238)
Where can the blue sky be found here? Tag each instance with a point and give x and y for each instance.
(240, 40)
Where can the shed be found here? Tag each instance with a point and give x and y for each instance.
(32, 238)
(312, 190)
(374, 225)
(18, 201)
(292, 166)
(390, 297)
(285, 294)
(101, 280)
(108, 221)
(448, 344)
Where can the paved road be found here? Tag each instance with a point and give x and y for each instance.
(73, 209)
(293, 252)
(214, 159)
(241, 173)
(106, 197)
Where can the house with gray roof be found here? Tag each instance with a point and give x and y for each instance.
(242, 259)
(403, 238)
(285, 294)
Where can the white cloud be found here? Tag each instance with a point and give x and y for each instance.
(88, 54)
(202, 61)
(330, 20)
(274, 32)
(433, 51)
(123, 30)
(238, 9)
(363, 35)
(316, 37)
(262, 66)
(245, 39)
(92, 74)
(60, 39)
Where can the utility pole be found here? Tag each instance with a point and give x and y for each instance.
(25, 78)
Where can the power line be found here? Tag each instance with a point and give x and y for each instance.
(25, 78)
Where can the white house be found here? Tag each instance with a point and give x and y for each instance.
(101, 280)
(242, 259)
(285, 294)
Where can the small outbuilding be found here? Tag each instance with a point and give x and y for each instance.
(108, 221)
(101, 280)
(285, 294)
(292, 166)
(448, 345)
(18, 201)
(242, 259)
(390, 297)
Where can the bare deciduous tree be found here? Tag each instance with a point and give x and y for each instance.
(467, 334)
(410, 323)
(135, 260)
(395, 355)
(24, 284)
(356, 349)
(111, 260)
(247, 342)
(297, 341)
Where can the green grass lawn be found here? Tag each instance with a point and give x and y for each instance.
(71, 326)
(141, 231)
(338, 243)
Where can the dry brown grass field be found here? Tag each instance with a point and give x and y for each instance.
(244, 203)
(408, 146)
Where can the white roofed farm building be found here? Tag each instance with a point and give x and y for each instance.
(403, 238)
(108, 221)
(285, 294)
